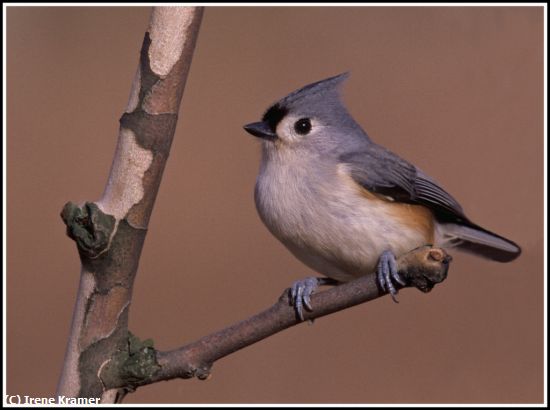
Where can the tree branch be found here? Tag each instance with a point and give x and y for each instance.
(110, 232)
(421, 268)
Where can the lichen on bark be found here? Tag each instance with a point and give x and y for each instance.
(89, 227)
(132, 365)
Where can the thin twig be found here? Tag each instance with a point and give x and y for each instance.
(421, 268)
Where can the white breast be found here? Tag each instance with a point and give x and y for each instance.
(319, 214)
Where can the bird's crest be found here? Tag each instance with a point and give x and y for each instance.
(320, 91)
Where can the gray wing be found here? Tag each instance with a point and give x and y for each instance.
(381, 171)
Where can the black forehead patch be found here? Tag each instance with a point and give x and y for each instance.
(274, 115)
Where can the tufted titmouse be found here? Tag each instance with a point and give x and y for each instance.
(346, 206)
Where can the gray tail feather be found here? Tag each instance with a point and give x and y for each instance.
(474, 239)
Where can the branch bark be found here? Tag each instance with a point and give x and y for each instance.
(110, 232)
(421, 268)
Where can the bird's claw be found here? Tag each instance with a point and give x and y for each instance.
(386, 271)
(300, 294)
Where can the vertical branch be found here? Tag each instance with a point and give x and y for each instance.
(110, 232)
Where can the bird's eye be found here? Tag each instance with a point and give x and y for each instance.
(302, 126)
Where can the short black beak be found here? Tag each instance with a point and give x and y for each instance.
(260, 130)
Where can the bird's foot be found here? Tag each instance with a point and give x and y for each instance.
(301, 291)
(386, 271)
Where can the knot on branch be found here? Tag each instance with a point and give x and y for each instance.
(132, 367)
(424, 267)
(203, 373)
(89, 227)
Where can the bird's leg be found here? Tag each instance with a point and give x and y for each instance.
(301, 291)
(386, 271)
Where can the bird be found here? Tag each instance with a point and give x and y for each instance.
(346, 206)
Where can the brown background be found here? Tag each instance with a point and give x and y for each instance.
(458, 91)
